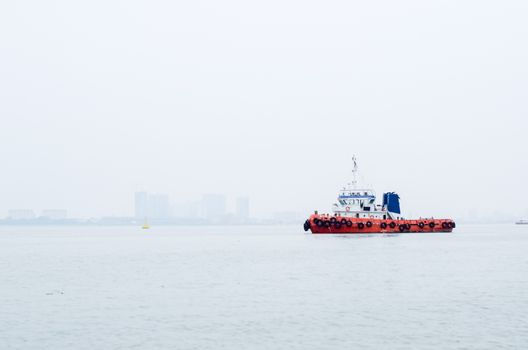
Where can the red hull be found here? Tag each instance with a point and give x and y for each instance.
(323, 224)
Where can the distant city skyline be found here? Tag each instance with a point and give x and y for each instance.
(209, 209)
(212, 207)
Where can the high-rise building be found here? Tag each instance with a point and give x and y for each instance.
(151, 206)
(141, 205)
(242, 208)
(214, 207)
(158, 206)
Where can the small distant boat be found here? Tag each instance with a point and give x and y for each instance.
(522, 222)
(145, 226)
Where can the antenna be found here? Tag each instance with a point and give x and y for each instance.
(354, 171)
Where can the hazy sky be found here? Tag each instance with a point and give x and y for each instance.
(268, 99)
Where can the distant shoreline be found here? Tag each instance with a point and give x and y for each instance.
(19, 223)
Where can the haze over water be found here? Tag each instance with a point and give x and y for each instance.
(262, 288)
(268, 100)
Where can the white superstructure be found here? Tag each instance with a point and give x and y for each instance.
(357, 202)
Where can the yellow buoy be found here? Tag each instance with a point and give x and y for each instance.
(145, 225)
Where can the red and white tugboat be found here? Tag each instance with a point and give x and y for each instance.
(357, 212)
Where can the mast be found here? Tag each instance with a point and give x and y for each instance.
(354, 172)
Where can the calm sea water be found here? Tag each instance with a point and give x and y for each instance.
(262, 288)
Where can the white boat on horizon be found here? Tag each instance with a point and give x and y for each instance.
(522, 222)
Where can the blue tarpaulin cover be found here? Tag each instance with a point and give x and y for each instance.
(392, 201)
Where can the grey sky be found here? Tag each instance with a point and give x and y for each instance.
(270, 100)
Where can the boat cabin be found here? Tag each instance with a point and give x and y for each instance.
(361, 202)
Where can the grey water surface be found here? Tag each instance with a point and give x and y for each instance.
(262, 287)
